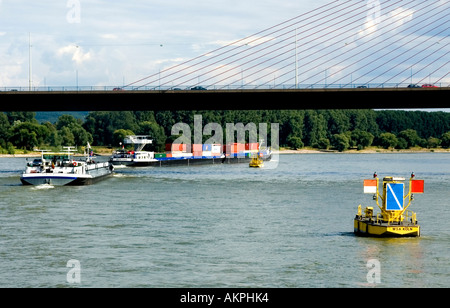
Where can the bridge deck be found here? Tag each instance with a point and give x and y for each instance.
(383, 98)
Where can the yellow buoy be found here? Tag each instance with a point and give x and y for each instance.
(395, 220)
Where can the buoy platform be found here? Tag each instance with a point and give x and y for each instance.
(395, 220)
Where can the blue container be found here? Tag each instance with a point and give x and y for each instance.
(207, 147)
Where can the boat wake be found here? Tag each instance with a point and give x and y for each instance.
(119, 166)
(43, 186)
(123, 175)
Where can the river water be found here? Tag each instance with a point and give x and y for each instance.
(287, 225)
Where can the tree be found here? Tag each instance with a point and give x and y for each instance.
(445, 140)
(53, 137)
(295, 142)
(120, 134)
(362, 139)
(77, 136)
(67, 120)
(28, 135)
(67, 138)
(315, 128)
(4, 128)
(411, 137)
(156, 132)
(21, 116)
(388, 140)
(340, 142)
(433, 142)
(81, 136)
(323, 143)
(102, 124)
(292, 130)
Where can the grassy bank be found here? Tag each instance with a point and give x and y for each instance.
(369, 150)
(105, 151)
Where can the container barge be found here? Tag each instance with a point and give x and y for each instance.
(181, 155)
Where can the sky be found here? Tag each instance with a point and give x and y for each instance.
(115, 43)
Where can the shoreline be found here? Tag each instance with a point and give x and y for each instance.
(286, 151)
(365, 151)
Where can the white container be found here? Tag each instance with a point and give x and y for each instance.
(216, 148)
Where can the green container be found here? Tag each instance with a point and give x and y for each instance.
(160, 155)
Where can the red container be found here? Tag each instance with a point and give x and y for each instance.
(240, 147)
(197, 147)
(177, 147)
(251, 146)
(234, 148)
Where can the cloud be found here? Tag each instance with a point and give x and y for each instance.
(375, 20)
(121, 42)
(78, 56)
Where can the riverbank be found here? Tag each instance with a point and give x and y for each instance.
(370, 150)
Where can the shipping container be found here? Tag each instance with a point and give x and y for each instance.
(207, 147)
(197, 148)
(179, 147)
(216, 148)
(169, 155)
(206, 153)
(234, 148)
(160, 155)
(251, 146)
(176, 147)
(181, 154)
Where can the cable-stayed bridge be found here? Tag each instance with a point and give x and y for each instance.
(346, 51)
(342, 44)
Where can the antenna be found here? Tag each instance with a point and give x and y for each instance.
(29, 62)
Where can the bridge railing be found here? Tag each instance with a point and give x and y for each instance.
(213, 87)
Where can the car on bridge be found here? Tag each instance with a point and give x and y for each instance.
(198, 88)
(414, 86)
(428, 85)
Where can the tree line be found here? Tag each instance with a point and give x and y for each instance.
(322, 129)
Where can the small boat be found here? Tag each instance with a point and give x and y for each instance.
(60, 168)
(256, 161)
(395, 220)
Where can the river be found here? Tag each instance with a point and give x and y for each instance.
(289, 224)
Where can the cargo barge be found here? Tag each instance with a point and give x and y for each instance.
(62, 169)
(180, 155)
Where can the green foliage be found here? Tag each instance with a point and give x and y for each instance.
(433, 142)
(323, 143)
(27, 135)
(388, 140)
(361, 139)
(295, 142)
(120, 134)
(340, 142)
(4, 127)
(340, 129)
(445, 140)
